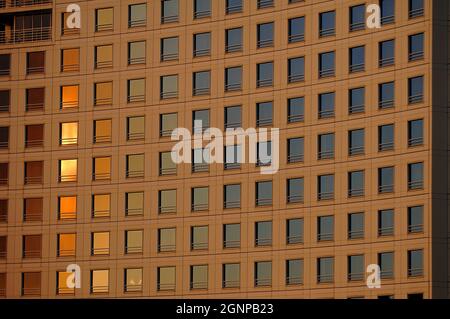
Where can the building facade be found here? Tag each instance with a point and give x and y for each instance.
(86, 176)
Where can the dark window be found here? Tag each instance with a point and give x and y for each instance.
(4, 173)
(325, 146)
(34, 135)
(35, 99)
(356, 271)
(4, 100)
(231, 236)
(356, 142)
(263, 233)
(233, 40)
(356, 183)
(201, 83)
(233, 117)
(136, 52)
(3, 247)
(33, 209)
(137, 15)
(295, 149)
(233, 79)
(264, 113)
(200, 198)
(31, 284)
(202, 44)
(386, 95)
(265, 35)
(32, 246)
(199, 277)
(233, 6)
(200, 120)
(264, 153)
(264, 74)
(294, 272)
(169, 86)
(386, 137)
(4, 137)
(325, 187)
(3, 209)
(296, 109)
(326, 105)
(265, 4)
(294, 190)
(355, 225)
(325, 270)
(416, 47)
(386, 53)
(386, 179)
(357, 59)
(35, 62)
(386, 222)
(415, 90)
(415, 219)
(415, 8)
(296, 29)
(326, 64)
(5, 64)
(296, 69)
(169, 49)
(199, 163)
(386, 263)
(199, 237)
(34, 172)
(294, 231)
(231, 275)
(263, 274)
(232, 196)
(327, 23)
(415, 132)
(232, 156)
(356, 100)
(387, 11)
(70, 60)
(202, 9)
(325, 228)
(357, 17)
(263, 193)
(415, 263)
(415, 176)
(169, 11)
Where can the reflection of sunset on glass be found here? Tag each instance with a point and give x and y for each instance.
(69, 169)
(69, 96)
(69, 133)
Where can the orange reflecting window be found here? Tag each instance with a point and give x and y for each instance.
(101, 204)
(102, 131)
(103, 93)
(69, 133)
(67, 207)
(62, 283)
(69, 96)
(100, 243)
(102, 168)
(66, 244)
(103, 56)
(68, 170)
(100, 281)
(70, 60)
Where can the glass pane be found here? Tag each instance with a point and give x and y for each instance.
(67, 207)
(68, 170)
(69, 96)
(69, 133)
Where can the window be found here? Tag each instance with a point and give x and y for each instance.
(232, 196)
(233, 40)
(35, 99)
(166, 278)
(32, 246)
(199, 237)
(102, 131)
(415, 47)
(201, 83)
(326, 64)
(166, 165)
(135, 165)
(415, 132)
(356, 184)
(265, 35)
(103, 93)
(36, 62)
(33, 209)
(355, 225)
(4, 173)
(70, 60)
(5, 64)
(61, 283)
(31, 284)
(67, 207)
(231, 275)
(68, 133)
(169, 11)
(133, 280)
(295, 149)
(415, 8)
(4, 137)
(355, 271)
(69, 96)
(296, 109)
(264, 153)
(168, 122)
(233, 79)
(99, 281)
(387, 11)
(136, 90)
(327, 23)
(233, 117)
(101, 168)
(100, 243)
(386, 222)
(200, 120)
(134, 241)
(295, 190)
(264, 76)
(296, 29)
(137, 15)
(386, 53)
(356, 100)
(386, 263)
(200, 198)
(415, 176)
(263, 274)
(357, 17)
(3, 210)
(135, 128)
(104, 19)
(66, 245)
(263, 233)
(296, 69)
(294, 272)
(325, 187)
(263, 193)
(169, 49)
(386, 137)
(202, 9)
(68, 170)
(294, 231)
(264, 113)
(415, 90)
(202, 44)
(415, 219)
(167, 239)
(325, 270)
(4, 100)
(34, 172)
(199, 277)
(356, 142)
(134, 204)
(357, 59)
(65, 30)
(265, 4)
(104, 56)
(136, 52)
(231, 236)
(386, 179)
(3, 247)
(325, 146)
(232, 156)
(325, 228)
(233, 6)
(167, 201)
(326, 105)
(169, 86)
